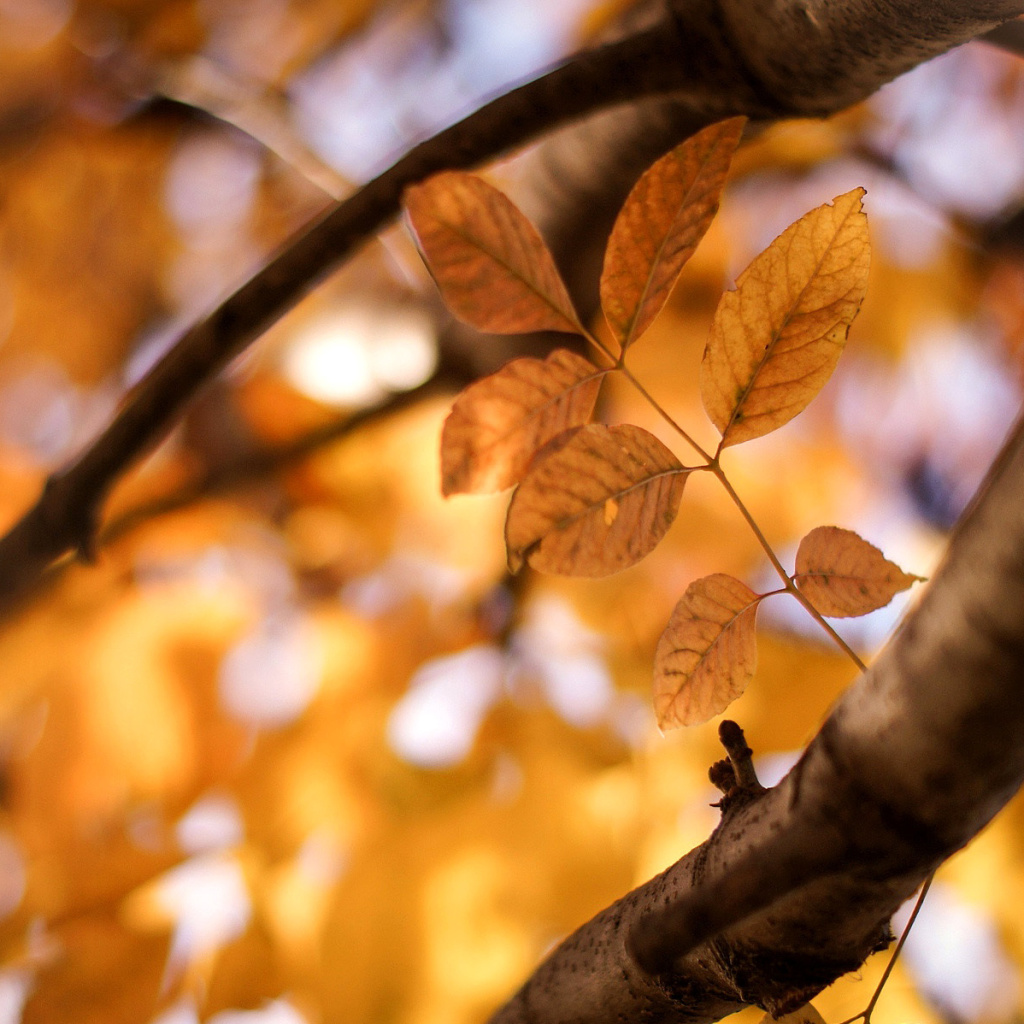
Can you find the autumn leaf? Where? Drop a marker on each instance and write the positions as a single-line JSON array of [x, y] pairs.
[[498, 423], [489, 262], [843, 575], [707, 654], [596, 504], [660, 225], [776, 339]]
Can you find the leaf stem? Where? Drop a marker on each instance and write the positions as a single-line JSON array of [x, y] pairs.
[[865, 1014], [787, 580], [663, 413]]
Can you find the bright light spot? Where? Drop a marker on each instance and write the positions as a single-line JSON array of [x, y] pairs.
[[498, 41], [435, 723], [946, 405], [632, 719], [955, 956], [321, 858], [402, 576], [211, 184], [179, 1013], [31, 23], [38, 411], [208, 899], [212, 823], [270, 677], [937, 119], [371, 98], [565, 656], [358, 353], [773, 768], [14, 989], [280, 1011]]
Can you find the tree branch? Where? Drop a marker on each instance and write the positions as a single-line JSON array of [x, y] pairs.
[[796, 885], [763, 58]]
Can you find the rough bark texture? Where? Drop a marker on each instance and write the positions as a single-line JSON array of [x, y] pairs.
[[764, 58], [797, 884]]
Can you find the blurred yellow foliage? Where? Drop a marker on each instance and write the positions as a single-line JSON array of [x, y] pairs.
[[241, 761]]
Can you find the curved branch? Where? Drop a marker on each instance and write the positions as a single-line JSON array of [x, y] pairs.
[[762, 58], [796, 885]]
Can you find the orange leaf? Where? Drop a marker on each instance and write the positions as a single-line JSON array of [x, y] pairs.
[[843, 575], [776, 339], [488, 260], [659, 226], [707, 654], [596, 504], [498, 423]]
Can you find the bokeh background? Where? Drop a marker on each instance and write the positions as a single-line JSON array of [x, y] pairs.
[[296, 749]]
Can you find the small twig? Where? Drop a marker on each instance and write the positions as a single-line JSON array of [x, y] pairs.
[[865, 1014], [251, 467]]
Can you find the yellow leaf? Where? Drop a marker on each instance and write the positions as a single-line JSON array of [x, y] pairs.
[[776, 339], [498, 423], [488, 260], [806, 1014], [660, 225], [596, 504], [843, 575], [707, 654]]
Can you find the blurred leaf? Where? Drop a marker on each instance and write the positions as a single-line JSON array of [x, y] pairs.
[[661, 223], [776, 339], [596, 505], [843, 575], [707, 654], [488, 260], [101, 973], [497, 424]]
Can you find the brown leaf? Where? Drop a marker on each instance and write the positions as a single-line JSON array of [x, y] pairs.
[[843, 575], [595, 505], [707, 654], [660, 225], [776, 339], [498, 423], [488, 260]]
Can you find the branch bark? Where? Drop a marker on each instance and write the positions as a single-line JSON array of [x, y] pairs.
[[764, 58], [797, 884]]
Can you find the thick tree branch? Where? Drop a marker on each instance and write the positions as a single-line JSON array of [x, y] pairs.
[[797, 884]]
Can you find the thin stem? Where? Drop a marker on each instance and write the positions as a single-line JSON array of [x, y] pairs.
[[664, 414], [787, 580], [616, 361], [713, 465], [865, 1015]]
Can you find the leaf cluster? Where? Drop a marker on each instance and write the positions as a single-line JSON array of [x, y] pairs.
[[592, 499]]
